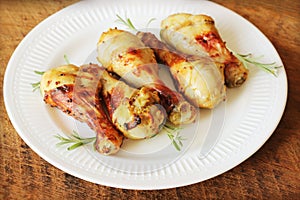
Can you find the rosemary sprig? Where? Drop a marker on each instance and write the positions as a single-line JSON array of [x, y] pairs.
[[176, 140], [174, 136], [36, 85], [268, 67], [75, 140], [128, 23]]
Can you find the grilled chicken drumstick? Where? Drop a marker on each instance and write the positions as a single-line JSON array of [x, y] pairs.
[[135, 112], [200, 80], [75, 91], [124, 54], [197, 35]]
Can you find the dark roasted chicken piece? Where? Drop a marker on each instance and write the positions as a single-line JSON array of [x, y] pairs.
[[124, 54], [75, 91], [199, 79], [197, 35]]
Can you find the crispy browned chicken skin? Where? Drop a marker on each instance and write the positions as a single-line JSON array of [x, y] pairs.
[[199, 79], [123, 53], [137, 113], [197, 35], [75, 91]]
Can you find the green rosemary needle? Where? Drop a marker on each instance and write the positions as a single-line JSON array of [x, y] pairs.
[[66, 59], [150, 21], [36, 85], [39, 72], [126, 22]]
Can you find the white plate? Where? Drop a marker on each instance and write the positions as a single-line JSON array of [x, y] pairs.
[[219, 140]]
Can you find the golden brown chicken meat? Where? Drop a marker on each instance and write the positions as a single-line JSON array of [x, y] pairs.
[[75, 91], [137, 113], [197, 35], [199, 79], [124, 54]]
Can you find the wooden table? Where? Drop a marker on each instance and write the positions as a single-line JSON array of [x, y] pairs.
[[271, 173]]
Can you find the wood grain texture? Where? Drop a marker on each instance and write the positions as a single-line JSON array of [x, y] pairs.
[[271, 173]]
